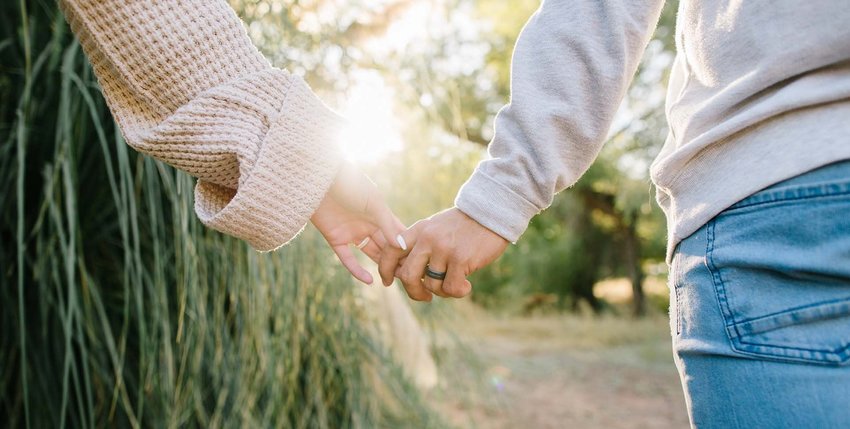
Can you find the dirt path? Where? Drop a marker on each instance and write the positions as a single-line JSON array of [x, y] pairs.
[[562, 372]]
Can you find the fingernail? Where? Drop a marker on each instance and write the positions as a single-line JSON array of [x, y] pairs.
[[401, 242]]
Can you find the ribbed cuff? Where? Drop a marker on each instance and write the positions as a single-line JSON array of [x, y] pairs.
[[296, 164], [495, 206]]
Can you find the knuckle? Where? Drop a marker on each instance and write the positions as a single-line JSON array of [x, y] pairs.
[[432, 286], [421, 295], [443, 247], [458, 289], [408, 278], [462, 256], [429, 233]]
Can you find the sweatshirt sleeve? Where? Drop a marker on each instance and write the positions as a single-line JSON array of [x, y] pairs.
[[186, 86], [572, 65]]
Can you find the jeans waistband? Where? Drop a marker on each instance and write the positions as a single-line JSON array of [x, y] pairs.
[[827, 180]]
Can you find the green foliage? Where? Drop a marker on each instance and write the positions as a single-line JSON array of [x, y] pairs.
[[119, 309], [605, 225], [506, 19]]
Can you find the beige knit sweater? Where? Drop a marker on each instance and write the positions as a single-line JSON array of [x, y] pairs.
[[187, 87]]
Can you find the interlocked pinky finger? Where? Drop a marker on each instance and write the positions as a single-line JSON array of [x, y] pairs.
[[372, 250]]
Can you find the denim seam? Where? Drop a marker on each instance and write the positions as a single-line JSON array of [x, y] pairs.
[[795, 309], [719, 288], [774, 352], [839, 351], [777, 197], [676, 281], [678, 312]]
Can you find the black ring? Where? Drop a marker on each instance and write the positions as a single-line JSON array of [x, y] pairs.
[[434, 274]]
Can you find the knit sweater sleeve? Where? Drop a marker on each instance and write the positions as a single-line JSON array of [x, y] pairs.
[[572, 65], [186, 86]]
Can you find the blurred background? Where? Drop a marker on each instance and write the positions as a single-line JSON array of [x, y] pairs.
[[119, 309]]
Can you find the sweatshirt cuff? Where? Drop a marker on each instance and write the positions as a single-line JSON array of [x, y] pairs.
[[296, 165], [495, 206]]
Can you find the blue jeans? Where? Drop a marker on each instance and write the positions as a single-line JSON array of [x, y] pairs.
[[760, 308]]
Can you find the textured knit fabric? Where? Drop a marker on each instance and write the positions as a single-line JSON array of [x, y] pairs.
[[759, 92], [186, 86]]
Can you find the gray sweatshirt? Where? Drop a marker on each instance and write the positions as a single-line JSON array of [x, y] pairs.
[[759, 92]]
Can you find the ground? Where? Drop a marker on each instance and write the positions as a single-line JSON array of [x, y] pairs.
[[558, 371]]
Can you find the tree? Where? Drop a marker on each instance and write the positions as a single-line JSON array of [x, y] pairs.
[[611, 204]]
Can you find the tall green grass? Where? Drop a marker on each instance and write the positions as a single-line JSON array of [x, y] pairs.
[[119, 309]]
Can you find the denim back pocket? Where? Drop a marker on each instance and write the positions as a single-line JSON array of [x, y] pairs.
[[780, 263]]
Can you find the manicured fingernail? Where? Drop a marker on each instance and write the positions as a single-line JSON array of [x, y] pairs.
[[401, 242]]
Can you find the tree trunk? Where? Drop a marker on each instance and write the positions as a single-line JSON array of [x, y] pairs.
[[589, 274], [633, 262]]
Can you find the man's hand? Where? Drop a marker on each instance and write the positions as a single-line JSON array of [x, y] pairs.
[[353, 213], [449, 242]]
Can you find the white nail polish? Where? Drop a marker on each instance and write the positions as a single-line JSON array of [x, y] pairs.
[[401, 242]]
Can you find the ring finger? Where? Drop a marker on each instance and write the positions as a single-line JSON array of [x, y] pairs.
[[434, 274], [372, 250]]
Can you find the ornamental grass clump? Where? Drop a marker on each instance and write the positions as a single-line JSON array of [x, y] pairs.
[[119, 309]]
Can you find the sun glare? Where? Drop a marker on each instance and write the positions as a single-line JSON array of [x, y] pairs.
[[372, 132], [411, 27]]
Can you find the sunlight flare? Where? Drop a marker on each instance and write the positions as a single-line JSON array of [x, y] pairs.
[[372, 130]]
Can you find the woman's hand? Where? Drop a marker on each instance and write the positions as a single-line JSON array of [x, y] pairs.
[[354, 213]]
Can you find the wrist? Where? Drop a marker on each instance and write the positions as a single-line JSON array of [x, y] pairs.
[[495, 206]]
